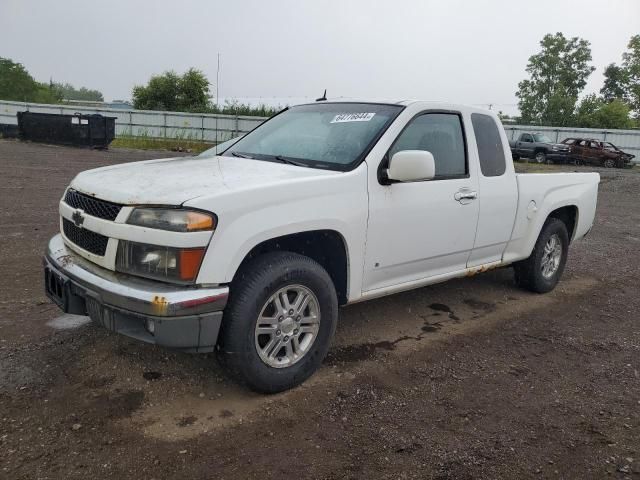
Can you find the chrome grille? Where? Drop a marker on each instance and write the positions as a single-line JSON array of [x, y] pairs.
[[92, 206]]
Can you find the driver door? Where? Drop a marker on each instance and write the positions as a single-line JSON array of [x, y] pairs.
[[426, 228], [525, 145]]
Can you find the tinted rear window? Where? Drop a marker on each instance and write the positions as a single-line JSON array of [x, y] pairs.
[[490, 149]]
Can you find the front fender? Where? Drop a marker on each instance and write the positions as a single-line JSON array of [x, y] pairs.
[[249, 218]]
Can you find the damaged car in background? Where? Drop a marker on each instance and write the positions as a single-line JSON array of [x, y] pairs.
[[590, 151]]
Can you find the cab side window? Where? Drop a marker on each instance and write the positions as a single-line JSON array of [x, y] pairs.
[[490, 148], [526, 138], [442, 135]]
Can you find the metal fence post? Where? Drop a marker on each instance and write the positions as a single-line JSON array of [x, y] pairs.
[[202, 128], [165, 124], [236, 127]]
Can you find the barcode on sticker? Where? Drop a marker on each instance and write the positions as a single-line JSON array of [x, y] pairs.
[[352, 117]]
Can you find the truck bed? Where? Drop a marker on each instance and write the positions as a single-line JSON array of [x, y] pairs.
[[541, 193]]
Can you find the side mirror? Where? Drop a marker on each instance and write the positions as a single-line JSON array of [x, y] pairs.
[[411, 166]]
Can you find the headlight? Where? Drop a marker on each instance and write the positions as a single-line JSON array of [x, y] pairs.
[[171, 264], [172, 219]]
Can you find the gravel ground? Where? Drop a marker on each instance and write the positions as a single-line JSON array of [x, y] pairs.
[[469, 379]]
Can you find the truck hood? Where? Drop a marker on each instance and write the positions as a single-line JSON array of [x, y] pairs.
[[174, 181]]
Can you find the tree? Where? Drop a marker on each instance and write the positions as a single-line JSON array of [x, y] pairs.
[[557, 76], [614, 114], [67, 91], [631, 66], [17, 84], [596, 112], [615, 83], [587, 110], [194, 91], [186, 93]]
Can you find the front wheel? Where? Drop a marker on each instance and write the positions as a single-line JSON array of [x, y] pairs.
[[279, 322], [541, 272], [609, 163], [541, 157]]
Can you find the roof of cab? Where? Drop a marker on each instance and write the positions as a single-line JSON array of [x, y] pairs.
[[405, 103]]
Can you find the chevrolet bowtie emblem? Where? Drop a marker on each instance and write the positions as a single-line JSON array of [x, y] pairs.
[[77, 218]]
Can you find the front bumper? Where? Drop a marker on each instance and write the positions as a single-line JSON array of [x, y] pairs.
[[186, 318]]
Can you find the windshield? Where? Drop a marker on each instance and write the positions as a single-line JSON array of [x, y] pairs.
[[322, 135], [610, 146], [539, 137]]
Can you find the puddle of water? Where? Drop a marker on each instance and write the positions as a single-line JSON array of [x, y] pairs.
[[441, 307], [68, 321], [479, 304]]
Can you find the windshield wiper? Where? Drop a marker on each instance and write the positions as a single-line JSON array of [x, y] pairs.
[[289, 161], [242, 155]]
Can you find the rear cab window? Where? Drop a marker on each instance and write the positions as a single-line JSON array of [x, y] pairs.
[[490, 147]]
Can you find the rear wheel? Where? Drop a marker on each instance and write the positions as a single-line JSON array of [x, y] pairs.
[[541, 157], [541, 272], [281, 316]]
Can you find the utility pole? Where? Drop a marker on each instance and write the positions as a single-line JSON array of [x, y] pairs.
[[217, 98]]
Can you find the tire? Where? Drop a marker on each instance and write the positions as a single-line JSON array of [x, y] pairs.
[[540, 157], [609, 163], [241, 348], [529, 273]]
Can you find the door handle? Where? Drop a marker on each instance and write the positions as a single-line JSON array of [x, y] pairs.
[[462, 195]]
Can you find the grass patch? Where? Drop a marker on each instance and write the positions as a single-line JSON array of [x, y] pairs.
[[145, 142], [534, 167]]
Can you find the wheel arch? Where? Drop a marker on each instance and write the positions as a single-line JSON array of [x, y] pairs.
[[568, 214], [327, 247]]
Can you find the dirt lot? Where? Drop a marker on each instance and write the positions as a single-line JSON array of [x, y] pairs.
[[469, 379]]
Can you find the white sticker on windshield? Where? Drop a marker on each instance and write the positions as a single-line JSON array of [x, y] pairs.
[[352, 117]]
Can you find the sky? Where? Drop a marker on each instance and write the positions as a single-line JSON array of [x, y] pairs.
[[285, 51]]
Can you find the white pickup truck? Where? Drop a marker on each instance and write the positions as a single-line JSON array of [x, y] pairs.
[[250, 250]]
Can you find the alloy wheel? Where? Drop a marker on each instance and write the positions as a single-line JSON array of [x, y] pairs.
[[551, 256], [287, 326]]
